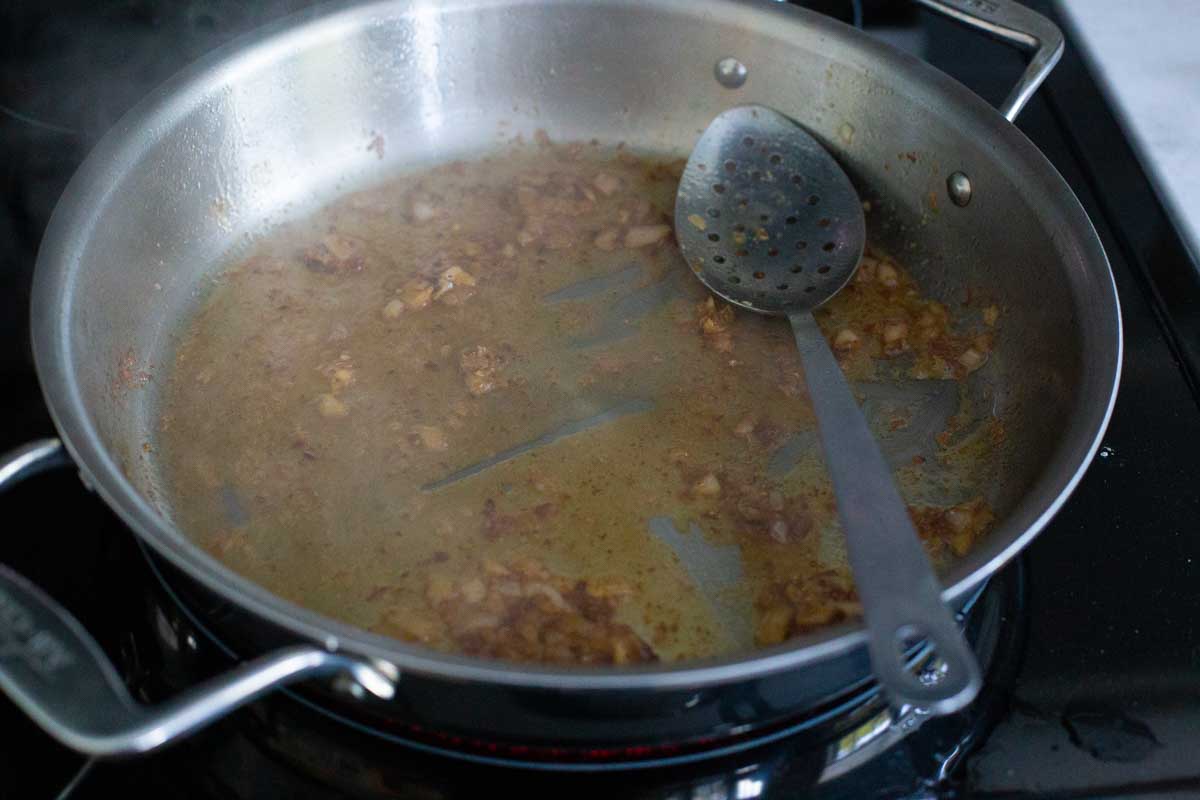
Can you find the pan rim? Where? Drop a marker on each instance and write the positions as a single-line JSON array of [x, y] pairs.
[[67, 235]]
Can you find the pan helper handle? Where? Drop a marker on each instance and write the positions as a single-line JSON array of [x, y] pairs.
[[58, 675], [1014, 24]]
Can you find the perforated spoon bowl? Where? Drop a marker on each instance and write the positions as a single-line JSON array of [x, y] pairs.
[[767, 220]]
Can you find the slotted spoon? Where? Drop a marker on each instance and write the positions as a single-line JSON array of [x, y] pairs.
[[767, 220]]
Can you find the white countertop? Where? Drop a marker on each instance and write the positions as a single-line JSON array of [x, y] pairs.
[[1146, 56]]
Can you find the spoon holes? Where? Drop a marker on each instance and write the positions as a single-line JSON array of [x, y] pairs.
[[764, 217], [739, 228], [734, 279], [748, 141], [731, 166], [776, 158], [719, 188], [796, 269], [714, 237], [823, 269], [715, 213], [823, 222], [760, 275], [813, 199], [719, 259], [828, 247], [790, 220], [797, 179], [809, 289]]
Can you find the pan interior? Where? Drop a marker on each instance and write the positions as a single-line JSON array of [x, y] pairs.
[[487, 408]]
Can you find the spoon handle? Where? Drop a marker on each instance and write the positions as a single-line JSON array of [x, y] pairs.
[[901, 596]]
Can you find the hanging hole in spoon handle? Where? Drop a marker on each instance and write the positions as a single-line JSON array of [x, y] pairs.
[[947, 682], [895, 581]]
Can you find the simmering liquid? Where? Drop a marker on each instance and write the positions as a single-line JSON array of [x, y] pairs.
[[488, 409]]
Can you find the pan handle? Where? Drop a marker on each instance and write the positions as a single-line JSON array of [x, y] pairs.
[[58, 675], [1014, 24]]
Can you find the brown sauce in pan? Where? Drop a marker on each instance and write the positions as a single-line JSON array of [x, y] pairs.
[[652, 488]]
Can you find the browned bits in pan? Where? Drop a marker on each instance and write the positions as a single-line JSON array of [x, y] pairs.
[[953, 530], [334, 254], [523, 612], [416, 294], [645, 235], [846, 340], [443, 317], [794, 606], [332, 407], [607, 183], [480, 366], [715, 323], [607, 239]]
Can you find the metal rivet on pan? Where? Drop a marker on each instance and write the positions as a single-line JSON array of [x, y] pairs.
[[730, 72], [959, 187]]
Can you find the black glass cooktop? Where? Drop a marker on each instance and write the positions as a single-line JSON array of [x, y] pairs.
[[1105, 699]]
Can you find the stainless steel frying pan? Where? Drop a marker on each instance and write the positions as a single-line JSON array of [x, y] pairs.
[[278, 123]]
